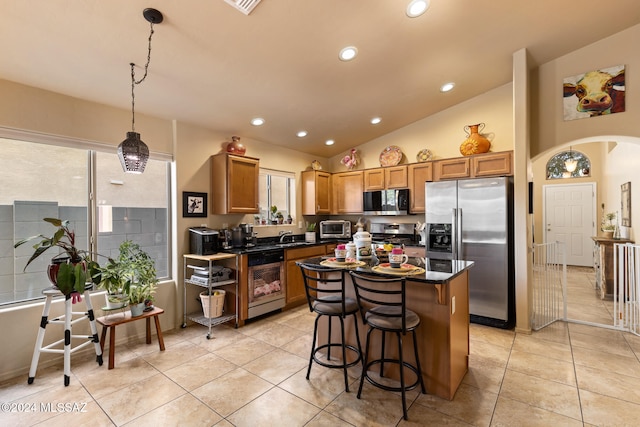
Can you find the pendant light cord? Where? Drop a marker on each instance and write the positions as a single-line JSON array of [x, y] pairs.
[[137, 82]]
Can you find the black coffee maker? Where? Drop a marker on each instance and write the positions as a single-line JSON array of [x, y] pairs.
[[203, 241]]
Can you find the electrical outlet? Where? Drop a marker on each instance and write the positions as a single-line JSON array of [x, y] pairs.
[[300, 224], [453, 305]]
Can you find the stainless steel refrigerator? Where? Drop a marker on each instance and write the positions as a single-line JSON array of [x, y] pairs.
[[472, 220]]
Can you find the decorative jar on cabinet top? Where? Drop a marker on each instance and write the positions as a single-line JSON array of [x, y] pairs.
[[475, 142], [235, 147]]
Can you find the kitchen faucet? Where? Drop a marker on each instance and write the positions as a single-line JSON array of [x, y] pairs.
[[283, 234]]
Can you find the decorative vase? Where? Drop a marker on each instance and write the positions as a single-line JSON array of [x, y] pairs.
[[235, 147], [475, 142]]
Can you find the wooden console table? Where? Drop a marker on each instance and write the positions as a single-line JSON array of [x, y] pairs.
[[112, 320], [603, 263]]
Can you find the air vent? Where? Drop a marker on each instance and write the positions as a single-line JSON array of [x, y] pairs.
[[244, 6]]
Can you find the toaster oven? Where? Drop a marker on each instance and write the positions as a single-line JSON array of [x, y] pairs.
[[335, 229]]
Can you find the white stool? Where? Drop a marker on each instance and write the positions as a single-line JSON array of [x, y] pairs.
[[68, 321]]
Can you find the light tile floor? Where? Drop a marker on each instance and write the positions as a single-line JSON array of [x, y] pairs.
[[564, 375]]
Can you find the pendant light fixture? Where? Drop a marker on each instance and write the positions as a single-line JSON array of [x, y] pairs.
[[571, 163], [134, 153]]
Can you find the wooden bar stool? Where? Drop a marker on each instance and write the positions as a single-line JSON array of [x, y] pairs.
[[325, 289], [68, 321], [383, 307]]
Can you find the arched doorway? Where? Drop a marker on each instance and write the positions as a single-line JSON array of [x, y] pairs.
[[614, 163]]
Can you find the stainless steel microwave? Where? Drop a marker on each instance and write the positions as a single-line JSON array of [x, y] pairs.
[[386, 202], [335, 229]]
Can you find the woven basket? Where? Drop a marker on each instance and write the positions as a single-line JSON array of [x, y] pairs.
[[213, 305]]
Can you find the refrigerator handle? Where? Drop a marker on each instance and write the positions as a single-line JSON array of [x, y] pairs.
[[458, 233], [454, 233]]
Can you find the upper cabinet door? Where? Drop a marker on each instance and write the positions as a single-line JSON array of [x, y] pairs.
[[234, 184], [419, 174], [396, 177], [492, 164], [316, 192], [347, 191], [374, 179], [451, 168]]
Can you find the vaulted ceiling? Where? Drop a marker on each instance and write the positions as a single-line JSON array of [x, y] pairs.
[[214, 66]]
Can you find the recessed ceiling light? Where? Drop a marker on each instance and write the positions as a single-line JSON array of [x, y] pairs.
[[302, 134], [348, 53], [376, 120], [329, 142], [447, 87], [258, 121], [417, 8]]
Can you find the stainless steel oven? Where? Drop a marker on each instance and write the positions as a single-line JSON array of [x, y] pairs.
[[267, 289]]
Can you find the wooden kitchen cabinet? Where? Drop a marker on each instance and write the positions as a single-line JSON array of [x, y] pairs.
[[316, 192], [451, 168], [347, 192], [491, 164], [419, 174], [385, 178], [396, 177], [476, 166], [373, 179], [234, 184], [293, 276]]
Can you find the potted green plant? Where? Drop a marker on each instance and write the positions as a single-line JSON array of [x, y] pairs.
[[139, 273], [310, 234], [608, 226], [111, 277], [274, 214], [68, 270], [131, 278]]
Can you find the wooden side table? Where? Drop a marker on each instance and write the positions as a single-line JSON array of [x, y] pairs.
[[603, 263], [109, 322]]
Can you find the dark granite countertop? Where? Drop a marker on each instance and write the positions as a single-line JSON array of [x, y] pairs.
[[436, 270], [273, 243]]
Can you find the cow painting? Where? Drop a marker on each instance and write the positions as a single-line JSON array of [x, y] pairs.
[[595, 93]]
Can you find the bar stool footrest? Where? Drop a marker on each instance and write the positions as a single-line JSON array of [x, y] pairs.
[[341, 365], [390, 388]]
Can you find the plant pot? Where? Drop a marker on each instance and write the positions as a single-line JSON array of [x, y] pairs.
[[137, 309], [114, 302], [54, 268], [310, 236], [607, 234]]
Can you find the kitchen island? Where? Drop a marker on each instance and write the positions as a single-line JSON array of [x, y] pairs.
[[440, 296]]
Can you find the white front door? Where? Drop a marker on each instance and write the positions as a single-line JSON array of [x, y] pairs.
[[569, 217]]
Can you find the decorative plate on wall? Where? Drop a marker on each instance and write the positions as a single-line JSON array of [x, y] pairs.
[[424, 155], [390, 156], [316, 166]]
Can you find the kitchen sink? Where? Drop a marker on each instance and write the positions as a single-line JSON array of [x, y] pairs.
[[290, 244]]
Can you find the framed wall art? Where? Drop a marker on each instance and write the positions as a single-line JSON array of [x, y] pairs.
[[194, 205], [625, 202], [594, 93]]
